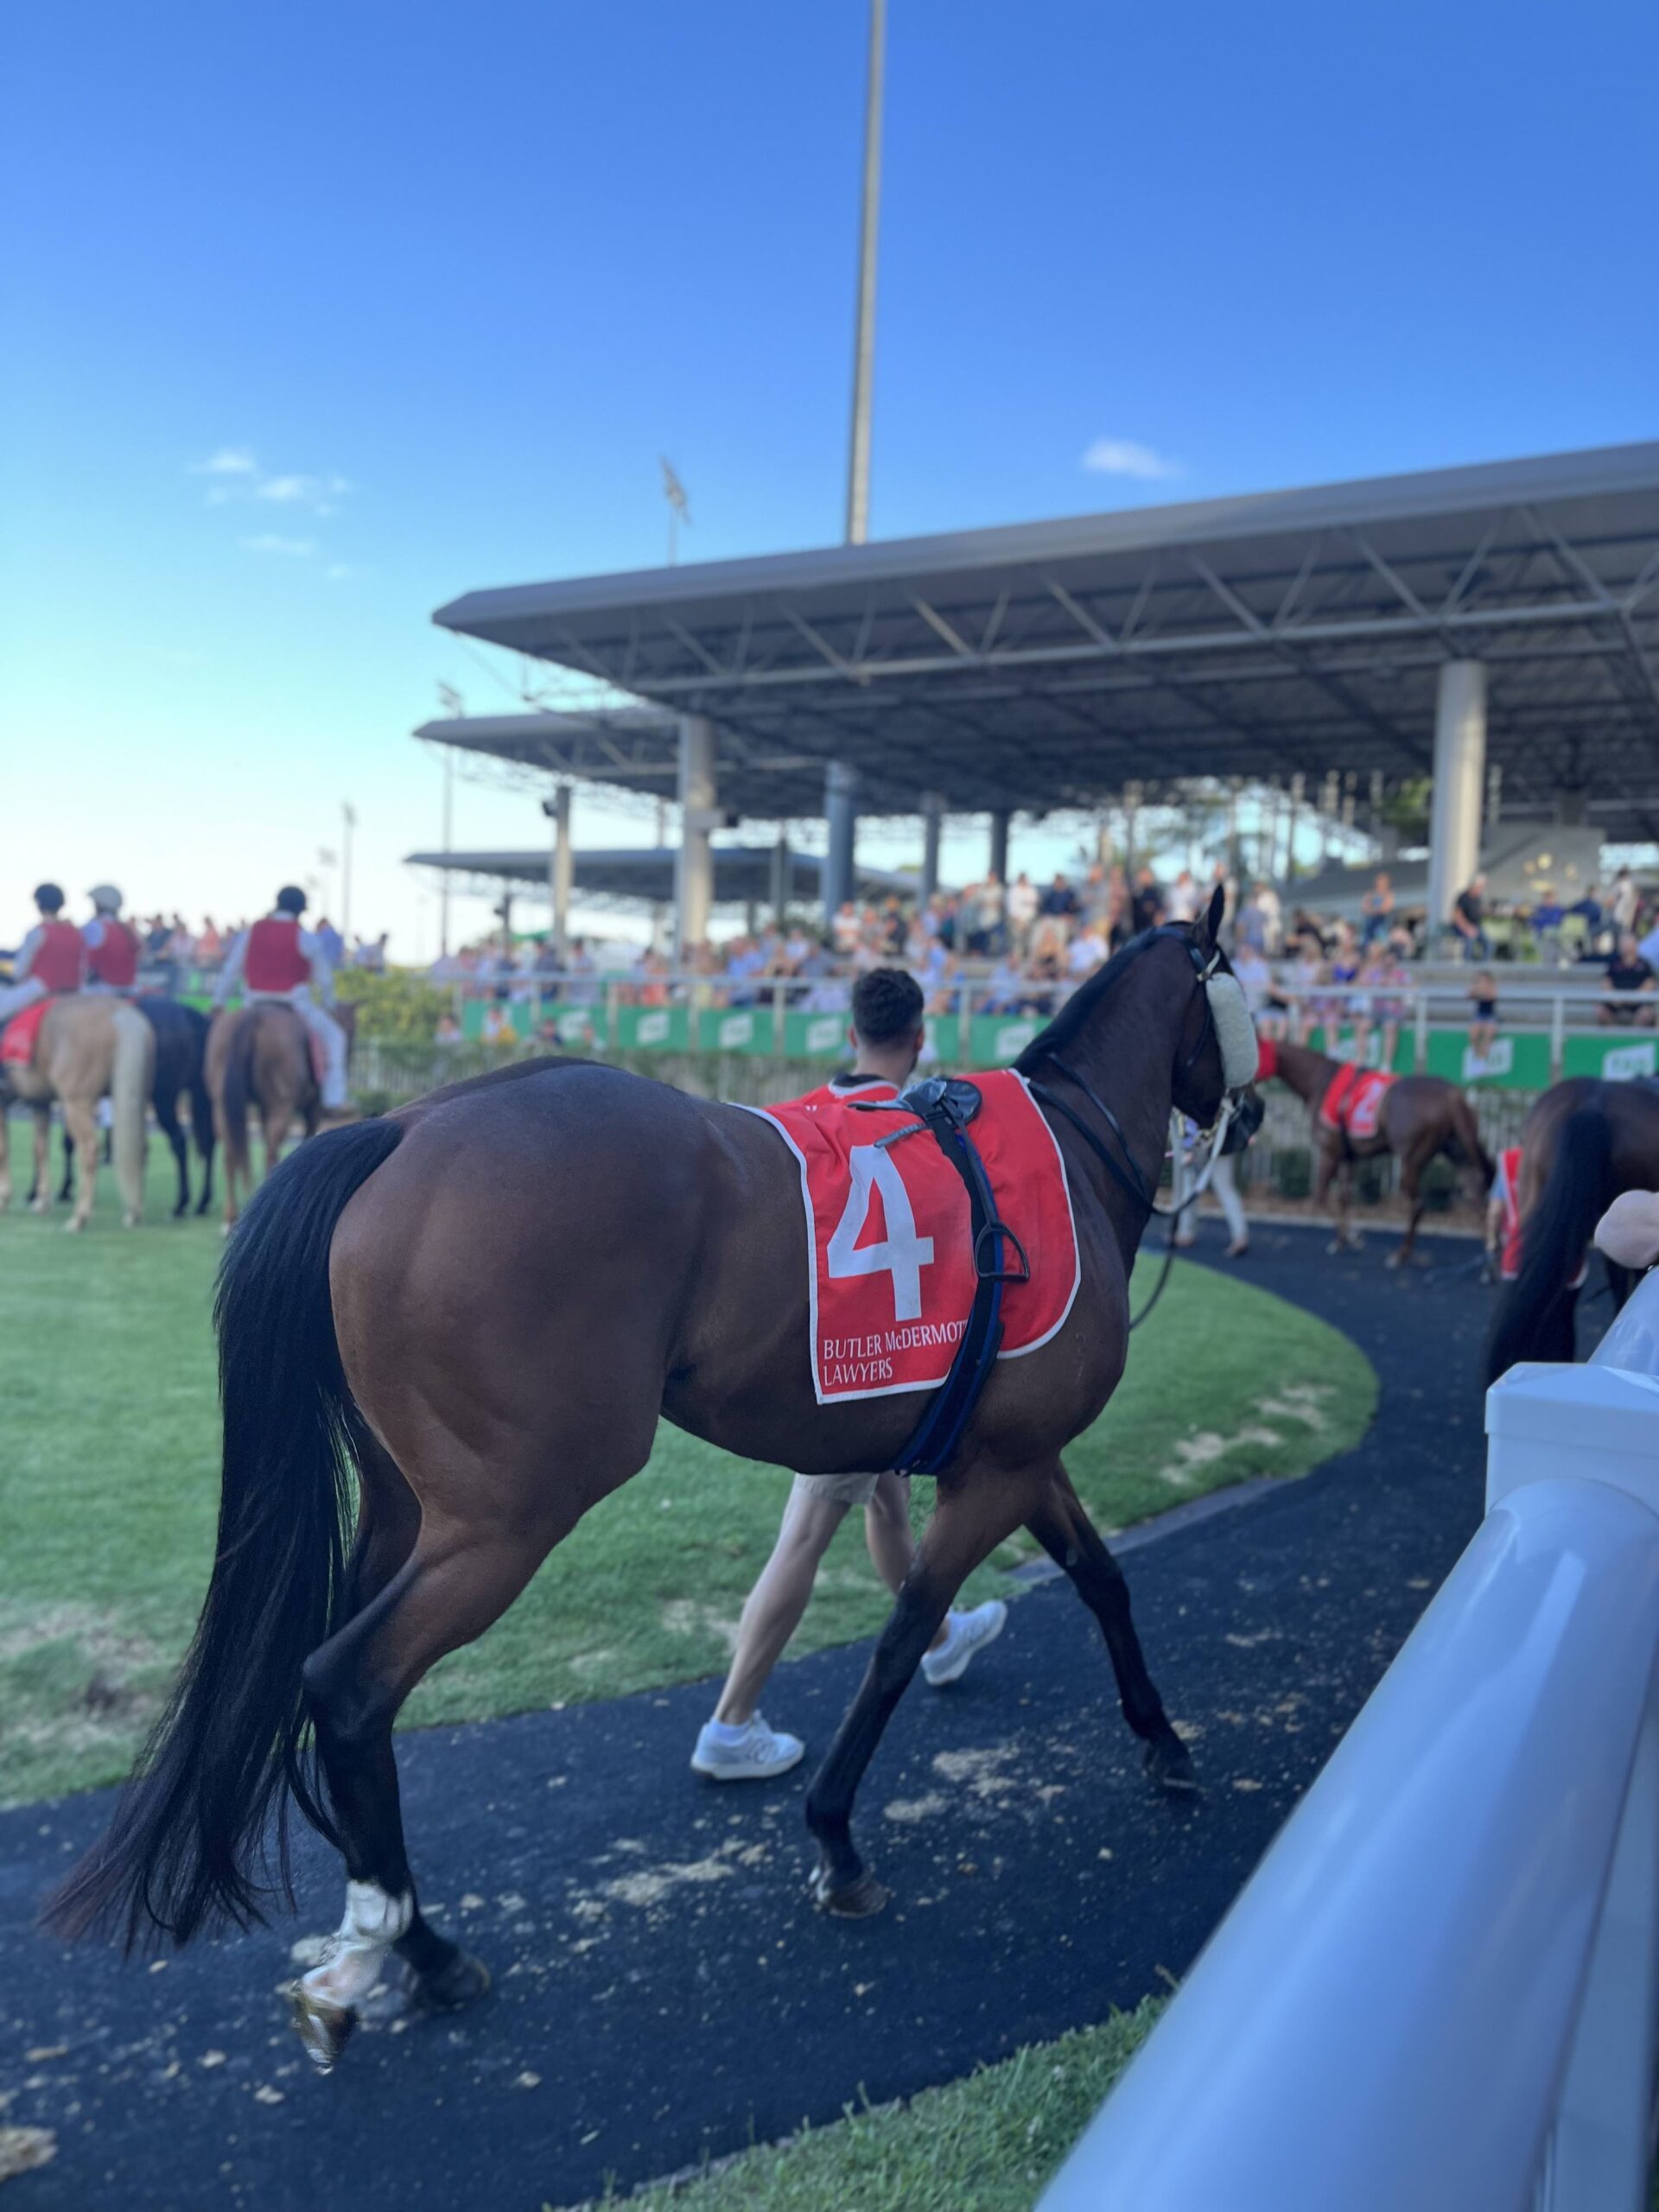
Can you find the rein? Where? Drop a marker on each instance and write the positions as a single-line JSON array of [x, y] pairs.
[[1126, 1168]]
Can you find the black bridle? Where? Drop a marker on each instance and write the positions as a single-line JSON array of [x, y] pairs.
[[1122, 1162]]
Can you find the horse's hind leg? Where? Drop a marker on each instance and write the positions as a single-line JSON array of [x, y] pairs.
[[41, 1196], [1063, 1529], [167, 1115], [972, 1516], [1411, 1189]]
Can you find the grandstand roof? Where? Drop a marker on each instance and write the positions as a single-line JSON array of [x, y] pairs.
[[743, 873], [1047, 664]]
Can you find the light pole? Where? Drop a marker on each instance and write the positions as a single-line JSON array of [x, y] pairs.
[[858, 466], [347, 823]]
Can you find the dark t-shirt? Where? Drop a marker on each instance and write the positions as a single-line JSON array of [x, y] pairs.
[[1631, 978], [1146, 905], [1470, 905]]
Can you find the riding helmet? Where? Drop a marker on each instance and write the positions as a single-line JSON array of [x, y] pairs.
[[290, 899], [105, 898], [47, 898]]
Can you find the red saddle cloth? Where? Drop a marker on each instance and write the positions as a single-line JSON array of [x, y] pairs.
[[22, 1034], [889, 1230], [1353, 1100]]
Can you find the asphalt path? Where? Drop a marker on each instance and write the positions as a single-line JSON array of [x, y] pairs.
[[664, 1992]]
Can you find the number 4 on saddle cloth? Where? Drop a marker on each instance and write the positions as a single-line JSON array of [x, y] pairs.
[[1353, 1102], [933, 1251]]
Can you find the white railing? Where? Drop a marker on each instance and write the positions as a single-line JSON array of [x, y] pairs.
[[1438, 1992]]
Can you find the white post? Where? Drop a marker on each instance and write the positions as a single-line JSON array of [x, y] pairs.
[[560, 871], [932, 826], [840, 811], [858, 462], [1459, 777], [694, 868]]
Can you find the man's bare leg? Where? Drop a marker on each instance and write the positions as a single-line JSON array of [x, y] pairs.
[[887, 1531], [772, 1610]]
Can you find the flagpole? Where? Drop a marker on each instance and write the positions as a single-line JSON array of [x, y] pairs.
[[858, 465]]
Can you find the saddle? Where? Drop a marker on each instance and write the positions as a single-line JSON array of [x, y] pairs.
[[946, 1106]]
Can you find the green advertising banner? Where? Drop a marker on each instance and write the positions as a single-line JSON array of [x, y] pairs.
[[735, 1029], [1514, 1063], [996, 1038], [653, 1028], [814, 1036], [1616, 1056]]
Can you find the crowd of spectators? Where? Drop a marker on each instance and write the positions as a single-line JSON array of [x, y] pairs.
[[1021, 947], [176, 958]]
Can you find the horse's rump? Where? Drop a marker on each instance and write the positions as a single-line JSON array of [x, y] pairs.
[[892, 1274]]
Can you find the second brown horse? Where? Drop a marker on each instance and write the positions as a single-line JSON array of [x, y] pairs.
[[1423, 1118]]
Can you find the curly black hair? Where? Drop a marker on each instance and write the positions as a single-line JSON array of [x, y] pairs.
[[887, 1003]]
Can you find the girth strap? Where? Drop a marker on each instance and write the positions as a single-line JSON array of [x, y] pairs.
[[945, 1110]]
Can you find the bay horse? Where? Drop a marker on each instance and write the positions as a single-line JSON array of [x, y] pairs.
[[88, 1047], [481, 1306], [261, 1056], [1422, 1116], [181, 1051], [1583, 1143]]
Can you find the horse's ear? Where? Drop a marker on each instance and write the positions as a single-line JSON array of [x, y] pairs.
[[1212, 920]]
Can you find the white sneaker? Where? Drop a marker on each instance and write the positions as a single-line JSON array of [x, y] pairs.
[[758, 1753], [969, 1632]]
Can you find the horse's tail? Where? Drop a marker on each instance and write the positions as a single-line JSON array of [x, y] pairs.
[[129, 1082], [188, 1848], [236, 1089], [1467, 1150], [1534, 1316]]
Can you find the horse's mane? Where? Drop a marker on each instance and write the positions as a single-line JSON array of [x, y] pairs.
[[1080, 1007]]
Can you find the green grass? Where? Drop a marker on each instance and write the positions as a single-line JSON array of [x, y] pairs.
[[108, 1490], [986, 2144]]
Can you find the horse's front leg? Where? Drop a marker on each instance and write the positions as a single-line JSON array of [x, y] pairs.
[[80, 1119], [40, 1200], [970, 1519], [1063, 1528]]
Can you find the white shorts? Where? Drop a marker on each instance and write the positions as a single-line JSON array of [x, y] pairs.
[[837, 1490]]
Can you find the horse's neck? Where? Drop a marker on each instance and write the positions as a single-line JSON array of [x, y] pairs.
[[1127, 1055], [1307, 1072]]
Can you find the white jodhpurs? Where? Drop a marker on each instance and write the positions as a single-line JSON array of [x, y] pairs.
[[14, 997]]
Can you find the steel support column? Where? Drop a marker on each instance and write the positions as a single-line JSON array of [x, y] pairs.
[[999, 851], [932, 829], [840, 811], [779, 884], [1459, 780], [693, 867], [561, 870]]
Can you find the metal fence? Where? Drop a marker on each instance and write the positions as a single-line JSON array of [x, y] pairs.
[[1438, 1992]]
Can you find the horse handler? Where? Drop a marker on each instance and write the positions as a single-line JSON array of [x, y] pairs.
[[737, 1745]]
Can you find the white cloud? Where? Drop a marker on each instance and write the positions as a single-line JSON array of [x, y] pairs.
[[267, 542], [1125, 457], [229, 461], [321, 493]]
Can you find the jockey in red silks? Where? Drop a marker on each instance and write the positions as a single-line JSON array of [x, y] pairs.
[[112, 945], [50, 959], [277, 959]]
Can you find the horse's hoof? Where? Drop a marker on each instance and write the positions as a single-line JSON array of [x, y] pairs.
[[129, 1221], [461, 1982], [1169, 1769], [861, 1900], [74, 1226], [323, 2029], [1394, 1260]]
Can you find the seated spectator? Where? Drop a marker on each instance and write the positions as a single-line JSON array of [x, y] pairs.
[[1256, 981], [845, 928], [1146, 907], [1547, 915], [1468, 921], [1182, 904], [1628, 971], [1086, 952], [1251, 923], [448, 1031]]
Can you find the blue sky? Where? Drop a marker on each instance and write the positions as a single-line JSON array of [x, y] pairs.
[[436, 285]]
